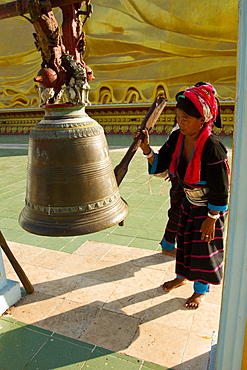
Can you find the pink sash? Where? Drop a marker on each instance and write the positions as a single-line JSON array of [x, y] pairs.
[[193, 172]]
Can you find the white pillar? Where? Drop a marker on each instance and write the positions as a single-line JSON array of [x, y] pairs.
[[10, 291], [3, 280], [234, 301]]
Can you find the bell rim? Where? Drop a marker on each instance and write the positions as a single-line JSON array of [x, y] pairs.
[[73, 225]]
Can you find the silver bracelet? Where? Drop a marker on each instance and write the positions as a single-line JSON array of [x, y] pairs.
[[149, 155], [215, 217]]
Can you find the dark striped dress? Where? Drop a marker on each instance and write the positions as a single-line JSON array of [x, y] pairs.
[[196, 259], [176, 198]]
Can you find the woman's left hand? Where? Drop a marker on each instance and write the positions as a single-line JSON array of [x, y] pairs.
[[208, 229]]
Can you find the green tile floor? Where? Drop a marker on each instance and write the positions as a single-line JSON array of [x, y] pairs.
[[27, 347]]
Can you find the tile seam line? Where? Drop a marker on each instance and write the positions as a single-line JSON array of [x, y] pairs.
[[36, 353]]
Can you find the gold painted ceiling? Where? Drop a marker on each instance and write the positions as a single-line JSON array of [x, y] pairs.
[[136, 48]]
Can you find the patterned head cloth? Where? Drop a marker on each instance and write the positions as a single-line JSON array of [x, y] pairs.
[[202, 95]]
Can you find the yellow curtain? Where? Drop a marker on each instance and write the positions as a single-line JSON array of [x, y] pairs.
[[136, 48]]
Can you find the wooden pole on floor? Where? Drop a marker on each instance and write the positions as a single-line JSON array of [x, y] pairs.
[[18, 269]]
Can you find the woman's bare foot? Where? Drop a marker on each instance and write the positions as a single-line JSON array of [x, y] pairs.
[[194, 301], [170, 253], [172, 284]]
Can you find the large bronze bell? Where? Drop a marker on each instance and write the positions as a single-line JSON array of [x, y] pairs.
[[71, 186]]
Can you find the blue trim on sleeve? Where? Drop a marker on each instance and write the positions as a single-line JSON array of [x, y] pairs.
[[152, 167], [198, 183], [217, 208]]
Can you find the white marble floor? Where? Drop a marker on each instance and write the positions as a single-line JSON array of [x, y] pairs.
[[110, 296]]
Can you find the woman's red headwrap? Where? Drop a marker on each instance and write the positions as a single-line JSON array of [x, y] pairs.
[[202, 95]]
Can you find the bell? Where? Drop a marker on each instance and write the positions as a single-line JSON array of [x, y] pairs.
[[71, 186]]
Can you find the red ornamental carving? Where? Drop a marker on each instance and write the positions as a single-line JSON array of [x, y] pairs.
[[63, 76]]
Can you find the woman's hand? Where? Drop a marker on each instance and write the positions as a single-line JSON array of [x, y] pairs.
[[208, 229], [144, 144]]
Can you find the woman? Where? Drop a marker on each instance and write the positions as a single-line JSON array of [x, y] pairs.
[[198, 159]]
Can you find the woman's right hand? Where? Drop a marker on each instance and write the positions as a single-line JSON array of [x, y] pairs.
[[144, 144]]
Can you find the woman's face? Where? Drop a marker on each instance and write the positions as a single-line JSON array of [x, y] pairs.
[[189, 125]]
